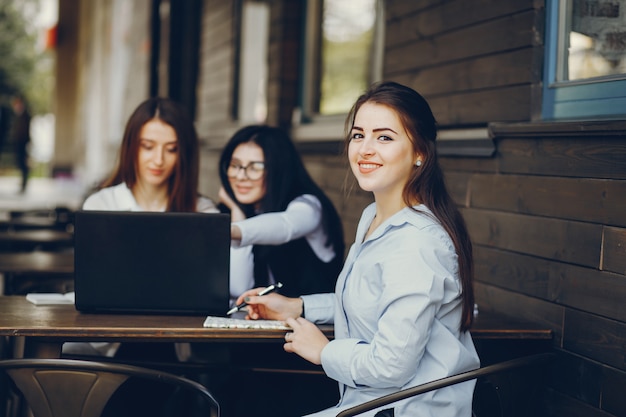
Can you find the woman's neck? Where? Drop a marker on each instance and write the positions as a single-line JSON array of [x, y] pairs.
[[385, 208], [151, 198]]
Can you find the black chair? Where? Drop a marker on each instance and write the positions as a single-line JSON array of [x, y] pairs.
[[73, 388], [485, 371]]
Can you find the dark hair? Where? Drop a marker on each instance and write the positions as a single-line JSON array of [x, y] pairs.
[[183, 184], [426, 183], [285, 178]]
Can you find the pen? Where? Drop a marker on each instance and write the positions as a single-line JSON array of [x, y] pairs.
[[263, 292]]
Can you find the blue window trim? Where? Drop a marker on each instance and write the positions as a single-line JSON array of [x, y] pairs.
[[582, 100]]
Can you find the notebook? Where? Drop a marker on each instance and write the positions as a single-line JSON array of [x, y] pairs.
[[234, 323], [147, 262]]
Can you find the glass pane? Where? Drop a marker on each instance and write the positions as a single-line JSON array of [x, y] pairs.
[[348, 33], [253, 72], [596, 34]]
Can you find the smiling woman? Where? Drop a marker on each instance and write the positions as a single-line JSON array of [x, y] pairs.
[[284, 227], [403, 302]]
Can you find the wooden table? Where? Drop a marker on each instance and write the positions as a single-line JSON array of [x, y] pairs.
[[45, 328], [37, 271], [37, 262], [40, 331], [31, 223], [489, 326], [29, 240]]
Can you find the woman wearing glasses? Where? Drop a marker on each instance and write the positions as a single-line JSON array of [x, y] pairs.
[[284, 228]]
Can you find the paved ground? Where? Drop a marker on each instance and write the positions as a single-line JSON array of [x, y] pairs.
[[40, 193]]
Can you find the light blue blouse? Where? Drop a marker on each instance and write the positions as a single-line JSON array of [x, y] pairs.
[[396, 312]]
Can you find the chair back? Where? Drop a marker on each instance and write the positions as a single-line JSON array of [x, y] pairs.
[[75, 388], [484, 371]]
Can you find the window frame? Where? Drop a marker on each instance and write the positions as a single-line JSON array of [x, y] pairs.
[[307, 124], [593, 98], [252, 48]]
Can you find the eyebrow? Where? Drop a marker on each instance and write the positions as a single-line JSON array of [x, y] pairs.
[[174, 142], [380, 129], [233, 159]]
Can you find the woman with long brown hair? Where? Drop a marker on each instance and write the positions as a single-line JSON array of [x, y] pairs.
[[403, 303]]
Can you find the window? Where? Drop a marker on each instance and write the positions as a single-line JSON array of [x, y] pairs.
[[585, 71], [253, 69], [342, 58], [347, 37]]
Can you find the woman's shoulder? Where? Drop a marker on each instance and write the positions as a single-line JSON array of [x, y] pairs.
[[115, 197], [422, 219], [309, 199], [206, 205]]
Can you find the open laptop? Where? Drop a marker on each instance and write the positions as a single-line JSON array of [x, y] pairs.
[[147, 262]]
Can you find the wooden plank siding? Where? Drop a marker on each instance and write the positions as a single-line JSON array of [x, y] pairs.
[[447, 51], [614, 250], [597, 200], [547, 216]]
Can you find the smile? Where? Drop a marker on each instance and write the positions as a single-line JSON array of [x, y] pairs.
[[242, 190], [365, 168]]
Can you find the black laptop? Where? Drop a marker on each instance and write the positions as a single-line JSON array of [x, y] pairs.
[[153, 263]]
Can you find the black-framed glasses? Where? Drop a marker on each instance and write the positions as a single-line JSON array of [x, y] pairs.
[[253, 171]]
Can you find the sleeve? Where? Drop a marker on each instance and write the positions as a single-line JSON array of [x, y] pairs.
[[117, 197], [319, 308], [406, 312], [206, 205], [241, 270], [302, 216], [96, 201]]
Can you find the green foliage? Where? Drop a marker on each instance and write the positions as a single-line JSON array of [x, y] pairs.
[[345, 72], [23, 69]]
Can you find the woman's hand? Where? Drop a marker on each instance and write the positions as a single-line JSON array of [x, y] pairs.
[[306, 340], [271, 306], [236, 214]]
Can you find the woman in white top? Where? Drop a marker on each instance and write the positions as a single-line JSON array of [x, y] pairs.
[[403, 303], [157, 170], [158, 164]]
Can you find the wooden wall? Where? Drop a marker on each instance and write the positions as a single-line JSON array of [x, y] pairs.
[[546, 213], [476, 61], [547, 216]]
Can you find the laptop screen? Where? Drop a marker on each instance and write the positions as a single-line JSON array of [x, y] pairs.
[[152, 262]]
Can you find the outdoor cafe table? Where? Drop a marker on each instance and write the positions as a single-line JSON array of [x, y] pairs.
[[37, 269], [45, 328], [28, 240], [37, 262]]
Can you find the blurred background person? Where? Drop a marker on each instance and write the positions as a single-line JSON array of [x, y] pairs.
[[20, 137]]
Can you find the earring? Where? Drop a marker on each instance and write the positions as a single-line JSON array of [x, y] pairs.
[[418, 163]]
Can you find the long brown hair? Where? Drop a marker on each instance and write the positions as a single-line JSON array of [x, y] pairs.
[[183, 184], [426, 183]]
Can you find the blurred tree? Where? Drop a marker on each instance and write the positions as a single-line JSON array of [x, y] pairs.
[[23, 68]]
